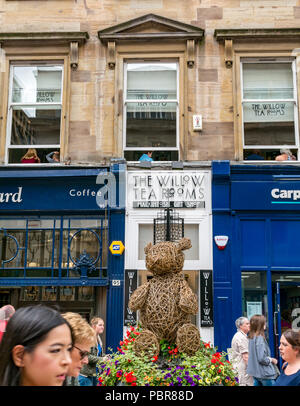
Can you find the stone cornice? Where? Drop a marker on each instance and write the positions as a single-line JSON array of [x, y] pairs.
[[45, 37], [257, 33]]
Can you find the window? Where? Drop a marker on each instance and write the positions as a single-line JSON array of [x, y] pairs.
[[34, 109], [269, 108], [151, 109]]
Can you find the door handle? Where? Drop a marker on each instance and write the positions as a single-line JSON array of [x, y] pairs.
[[275, 323]]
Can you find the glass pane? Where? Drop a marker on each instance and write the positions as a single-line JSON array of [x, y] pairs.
[[37, 84], [264, 154], [35, 125], [39, 248], [254, 294], [268, 81], [155, 121], [8, 248], [192, 231], [15, 155], [85, 293], [269, 123], [156, 155], [152, 81]]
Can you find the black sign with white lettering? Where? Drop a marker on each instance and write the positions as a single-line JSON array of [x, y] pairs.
[[130, 287], [206, 289]]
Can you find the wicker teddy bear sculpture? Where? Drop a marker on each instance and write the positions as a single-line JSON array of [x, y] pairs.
[[166, 301]]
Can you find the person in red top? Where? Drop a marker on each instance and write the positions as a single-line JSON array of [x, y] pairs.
[[31, 157], [5, 314]]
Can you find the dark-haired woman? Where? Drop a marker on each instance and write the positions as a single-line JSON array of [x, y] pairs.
[[260, 363], [290, 352], [35, 350]]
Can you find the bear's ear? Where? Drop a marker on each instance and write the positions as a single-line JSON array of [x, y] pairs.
[[184, 244], [148, 247]]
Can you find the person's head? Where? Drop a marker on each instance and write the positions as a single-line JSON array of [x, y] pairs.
[[149, 153], [56, 156], [98, 325], [83, 339], [31, 153], [285, 151], [6, 312], [257, 325], [290, 345], [35, 350], [243, 324]]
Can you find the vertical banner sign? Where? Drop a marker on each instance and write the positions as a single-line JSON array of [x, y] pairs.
[[206, 291], [130, 286]]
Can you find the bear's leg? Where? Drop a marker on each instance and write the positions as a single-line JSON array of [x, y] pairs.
[[146, 343], [188, 339]]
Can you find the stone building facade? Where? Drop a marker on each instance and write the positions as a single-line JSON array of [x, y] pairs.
[[100, 81], [92, 109]]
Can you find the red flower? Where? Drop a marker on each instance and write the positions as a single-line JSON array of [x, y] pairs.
[[154, 359], [130, 378]]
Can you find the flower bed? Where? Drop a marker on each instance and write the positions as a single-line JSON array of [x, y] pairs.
[[205, 368]]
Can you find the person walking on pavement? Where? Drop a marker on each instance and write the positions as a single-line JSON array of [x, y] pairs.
[[84, 337], [35, 349], [6, 313], [290, 352], [88, 373], [260, 364], [239, 346]]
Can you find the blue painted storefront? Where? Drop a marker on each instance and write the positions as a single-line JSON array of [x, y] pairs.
[[258, 208], [61, 194]]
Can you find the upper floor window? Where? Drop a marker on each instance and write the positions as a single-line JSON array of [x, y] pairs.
[[34, 112], [151, 110], [269, 108]]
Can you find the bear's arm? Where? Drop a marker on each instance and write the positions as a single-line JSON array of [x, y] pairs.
[[138, 298], [188, 299]]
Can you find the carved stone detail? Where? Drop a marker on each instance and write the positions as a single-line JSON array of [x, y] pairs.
[[74, 55], [111, 54], [228, 53], [190, 43]]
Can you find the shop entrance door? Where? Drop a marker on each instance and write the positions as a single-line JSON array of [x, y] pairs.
[[287, 310]]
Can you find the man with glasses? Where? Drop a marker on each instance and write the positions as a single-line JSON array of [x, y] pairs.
[[83, 339]]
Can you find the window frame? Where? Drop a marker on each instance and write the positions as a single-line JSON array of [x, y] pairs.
[[270, 60], [125, 101], [33, 62]]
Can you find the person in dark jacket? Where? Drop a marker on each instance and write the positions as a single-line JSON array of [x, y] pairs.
[[290, 352], [88, 373], [260, 363]]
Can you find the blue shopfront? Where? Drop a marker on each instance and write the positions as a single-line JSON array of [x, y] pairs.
[[258, 272], [56, 226]]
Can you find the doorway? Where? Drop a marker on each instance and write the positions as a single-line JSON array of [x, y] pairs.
[[286, 296]]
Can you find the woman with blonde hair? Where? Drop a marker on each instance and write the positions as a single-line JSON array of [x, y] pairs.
[[84, 338], [30, 157], [88, 374], [260, 363]]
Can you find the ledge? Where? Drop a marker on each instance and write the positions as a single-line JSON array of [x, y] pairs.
[[259, 33], [50, 37]]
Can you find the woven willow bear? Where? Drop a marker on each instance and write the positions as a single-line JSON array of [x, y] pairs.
[[166, 301]]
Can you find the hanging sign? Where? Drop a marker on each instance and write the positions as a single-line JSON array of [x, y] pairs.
[[221, 241], [206, 291], [130, 287]]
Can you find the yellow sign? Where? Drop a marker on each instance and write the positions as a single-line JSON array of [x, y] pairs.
[[117, 248]]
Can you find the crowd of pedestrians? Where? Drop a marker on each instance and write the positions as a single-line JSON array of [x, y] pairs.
[[39, 346], [251, 355]]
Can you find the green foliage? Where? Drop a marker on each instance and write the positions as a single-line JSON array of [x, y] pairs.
[[205, 368]]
